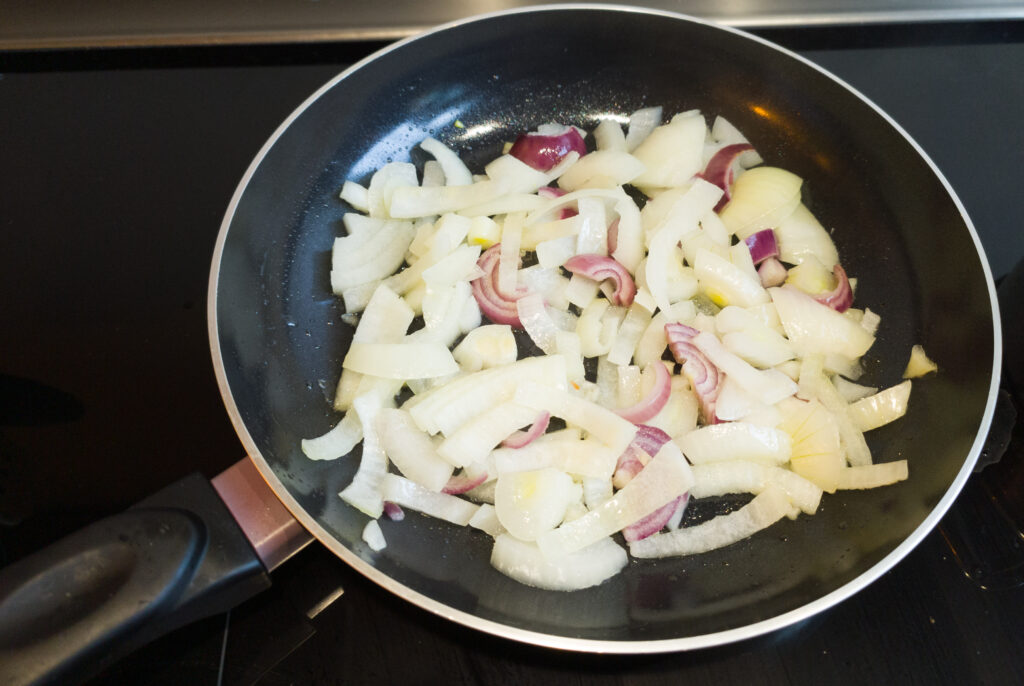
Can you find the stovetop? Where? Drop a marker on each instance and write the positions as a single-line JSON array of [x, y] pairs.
[[117, 168]]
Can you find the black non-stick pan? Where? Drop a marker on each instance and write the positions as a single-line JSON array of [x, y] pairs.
[[278, 338]]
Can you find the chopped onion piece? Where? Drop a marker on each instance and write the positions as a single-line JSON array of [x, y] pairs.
[[486, 519], [339, 441], [584, 568], [760, 513], [816, 328], [455, 171], [736, 441], [703, 375], [742, 476], [841, 297], [761, 198], [497, 305], [543, 152], [881, 408], [446, 408], [472, 441], [599, 268], [656, 521], [410, 494], [665, 477], [519, 439], [641, 123], [411, 450], [491, 345], [672, 153], [530, 503], [800, 235], [373, 536], [365, 491], [601, 423], [772, 273], [919, 363], [602, 169], [762, 245], [401, 360], [873, 475]]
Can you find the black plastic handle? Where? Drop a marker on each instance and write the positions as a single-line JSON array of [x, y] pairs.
[[75, 607]]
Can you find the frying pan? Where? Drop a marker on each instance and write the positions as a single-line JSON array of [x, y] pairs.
[[278, 338]]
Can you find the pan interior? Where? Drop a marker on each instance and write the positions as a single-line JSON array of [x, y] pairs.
[[282, 338]]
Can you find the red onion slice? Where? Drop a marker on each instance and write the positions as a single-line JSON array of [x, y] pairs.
[[652, 403], [460, 483], [496, 305], [721, 171], [518, 439], [703, 375], [656, 521], [542, 152], [645, 444], [599, 268], [839, 298], [772, 272], [394, 511], [762, 245]]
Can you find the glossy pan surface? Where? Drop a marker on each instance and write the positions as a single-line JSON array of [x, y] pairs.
[[278, 339]]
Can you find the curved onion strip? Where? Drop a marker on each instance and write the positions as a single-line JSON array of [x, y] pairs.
[[462, 482], [652, 403], [839, 298], [703, 375], [599, 268], [656, 521], [519, 439], [645, 444], [542, 152], [496, 305], [721, 171]]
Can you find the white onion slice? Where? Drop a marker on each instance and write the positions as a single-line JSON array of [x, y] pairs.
[[411, 450], [873, 475], [373, 536], [742, 476], [529, 503], [588, 567], [664, 478], [472, 441], [339, 441], [736, 441], [599, 422], [401, 360], [881, 408], [402, 491], [365, 491], [456, 173]]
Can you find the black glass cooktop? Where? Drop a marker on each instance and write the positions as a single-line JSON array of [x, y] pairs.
[[117, 167]]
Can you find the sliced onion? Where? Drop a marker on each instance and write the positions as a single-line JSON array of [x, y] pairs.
[[496, 305], [841, 297], [762, 245], [519, 439], [652, 403], [656, 521], [772, 272], [721, 170], [599, 268], [552, 192], [647, 442], [542, 152], [464, 481], [394, 511], [704, 376]]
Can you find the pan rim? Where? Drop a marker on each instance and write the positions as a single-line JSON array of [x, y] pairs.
[[562, 642]]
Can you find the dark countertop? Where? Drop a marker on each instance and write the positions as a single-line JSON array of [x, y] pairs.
[[117, 168]]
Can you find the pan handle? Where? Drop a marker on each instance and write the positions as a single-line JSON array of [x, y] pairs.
[[73, 608]]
